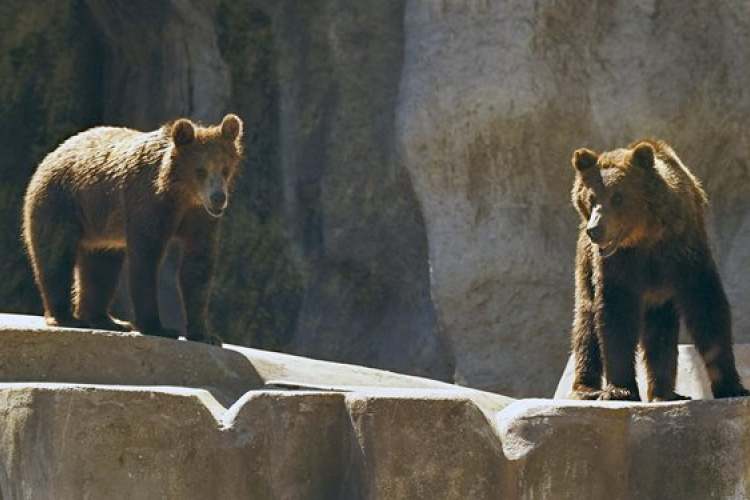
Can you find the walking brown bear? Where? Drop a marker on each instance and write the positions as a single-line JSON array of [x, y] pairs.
[[110, 193], [642, 262]]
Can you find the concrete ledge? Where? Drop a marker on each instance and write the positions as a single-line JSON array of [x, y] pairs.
[[70, 442], [98, 415], [34, 352], [573, 450]]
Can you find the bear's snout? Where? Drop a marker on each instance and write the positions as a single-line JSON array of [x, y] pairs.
[[215, 203], [596, 233], [595, 227], [219, 199]]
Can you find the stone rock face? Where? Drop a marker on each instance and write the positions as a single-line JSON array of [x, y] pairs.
[[619, 451], [105, 415], [495, 96], [405, 199], [163, 57], [49, 68], [90, 414], [351, 212], [324, 246]]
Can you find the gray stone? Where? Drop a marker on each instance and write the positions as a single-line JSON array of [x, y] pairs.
[[495, 97], [33, 352], [107, 415], [164, 57], [307, 429], [573, 450], [352, 216]]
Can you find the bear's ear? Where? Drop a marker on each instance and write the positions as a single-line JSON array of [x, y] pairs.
[[183, 132], [231, 127], [643, 155], [584, 159]]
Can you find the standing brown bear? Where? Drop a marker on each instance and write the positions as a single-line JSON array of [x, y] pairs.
[[111, 193], [642, 262]]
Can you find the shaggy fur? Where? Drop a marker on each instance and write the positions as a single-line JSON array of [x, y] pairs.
[[642, 263], [108, 194]]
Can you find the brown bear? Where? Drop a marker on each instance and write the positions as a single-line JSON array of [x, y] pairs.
[[110, 193], [643, 262]]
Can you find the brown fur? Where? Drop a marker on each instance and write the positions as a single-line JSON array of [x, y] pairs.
[[111, 193], [642, 263]]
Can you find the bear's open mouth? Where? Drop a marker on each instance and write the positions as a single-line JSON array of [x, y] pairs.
[[216, 212], [608, 248]]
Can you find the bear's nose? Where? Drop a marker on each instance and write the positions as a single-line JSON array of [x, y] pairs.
[[218, 198], [596, 233]]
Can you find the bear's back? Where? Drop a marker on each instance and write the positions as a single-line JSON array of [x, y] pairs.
[[88, 174], [680, 180], [104, 152]]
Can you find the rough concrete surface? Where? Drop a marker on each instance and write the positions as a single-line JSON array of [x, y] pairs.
[[99, 415]]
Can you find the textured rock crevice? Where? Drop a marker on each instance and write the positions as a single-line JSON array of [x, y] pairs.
[[352, 215]]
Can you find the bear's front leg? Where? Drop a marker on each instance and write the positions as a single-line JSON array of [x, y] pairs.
[[617, 324], [145, 250], [200, 234], [586, 353], [585, 344]]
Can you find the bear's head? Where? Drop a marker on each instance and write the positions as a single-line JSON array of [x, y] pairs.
[[611, 193], [203, 161]]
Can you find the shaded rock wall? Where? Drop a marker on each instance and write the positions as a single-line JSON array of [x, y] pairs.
[[50, 65], [324, 250], [354, 223]]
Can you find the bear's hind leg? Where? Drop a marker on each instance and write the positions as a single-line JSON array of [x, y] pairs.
[[51, 243], [98, 275], [661, 331], [707, 317]]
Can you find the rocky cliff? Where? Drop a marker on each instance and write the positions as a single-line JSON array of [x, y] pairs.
[[405, 199]]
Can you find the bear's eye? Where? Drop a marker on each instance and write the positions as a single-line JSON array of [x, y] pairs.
[[202, 173], [617, 200]]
